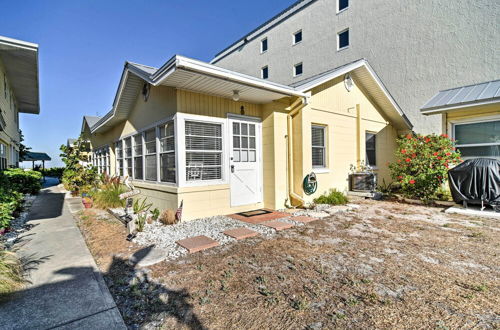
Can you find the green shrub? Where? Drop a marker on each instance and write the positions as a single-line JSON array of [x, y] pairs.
[[422, 163], [109, 196], [10, 201], [56, 172], [11, 273], [26, 182], [333, 197]]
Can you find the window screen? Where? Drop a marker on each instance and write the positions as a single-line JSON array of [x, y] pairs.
[[167, 152], [127, 146], [370, 142], [203, 151], [150, 152], [478, 139], [119, 157], [318, 146], [138, 157], [343, 39]]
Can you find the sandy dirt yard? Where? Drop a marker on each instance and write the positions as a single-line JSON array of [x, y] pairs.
[[385, 265]]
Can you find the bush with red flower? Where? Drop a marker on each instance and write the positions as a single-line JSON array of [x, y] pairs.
[[422, 163]]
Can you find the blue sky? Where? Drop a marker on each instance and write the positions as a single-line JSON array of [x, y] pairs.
[[84, 44]]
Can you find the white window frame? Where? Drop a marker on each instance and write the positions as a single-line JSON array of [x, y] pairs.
[[262, 72], [338, 39], [343, 9], [452, 124], [262, 51], [293, 37], [366, 158], [325, 150], [295, 69], [181, 157]]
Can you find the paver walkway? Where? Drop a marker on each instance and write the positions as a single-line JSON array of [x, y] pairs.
[[66, 291]]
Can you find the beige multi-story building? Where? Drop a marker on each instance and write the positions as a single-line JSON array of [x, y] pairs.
[[18, 94]]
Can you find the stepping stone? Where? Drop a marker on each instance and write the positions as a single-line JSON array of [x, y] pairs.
[[278, 225], [303, 219], [197, 243], [241, 233]]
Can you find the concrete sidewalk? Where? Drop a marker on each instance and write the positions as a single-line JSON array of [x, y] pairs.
[[67, 290]]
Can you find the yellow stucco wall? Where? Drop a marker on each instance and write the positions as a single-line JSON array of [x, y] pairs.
[[10, 135]]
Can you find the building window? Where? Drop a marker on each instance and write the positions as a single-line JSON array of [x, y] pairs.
[[244, 143], [150, 157], [297, 37], [203, 151], [138, 157], [264, 72], [297, 69], [127, 147], [167, 152], [370, 143], [343, 39], [478, 139], [342, 5], [263, 45], [318, 141], [119, 157], [3, 156]]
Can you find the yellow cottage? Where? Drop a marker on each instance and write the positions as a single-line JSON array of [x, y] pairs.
[[223, 142], [471, 116]]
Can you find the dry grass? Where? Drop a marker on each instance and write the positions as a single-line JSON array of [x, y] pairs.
[[387, 265]]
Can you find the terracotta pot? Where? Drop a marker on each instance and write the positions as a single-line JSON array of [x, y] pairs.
[[87, 205]]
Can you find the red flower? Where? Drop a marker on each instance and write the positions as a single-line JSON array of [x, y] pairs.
[[412, 181], [435, 154], [403, 151], [444, 135], [448, 153], [408, 136], [414, 155], [400, 177], [446, 165], [453, 148], [408, 160], [427, 140], [440, 157], [399, 160]]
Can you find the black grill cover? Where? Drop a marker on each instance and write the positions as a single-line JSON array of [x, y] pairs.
[[476, 180]]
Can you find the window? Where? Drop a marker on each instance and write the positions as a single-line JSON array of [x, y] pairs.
[[478, 139], [370, 143], [297, 69], [342, 5], [3, 156], [318, 137], [119, 157], [127, 145], [100, 159], [138, 157], [203, 151], [150, 158], [297, 37], [343, 39], [264, 72], [244, 144], [263, 45], [167, 152]]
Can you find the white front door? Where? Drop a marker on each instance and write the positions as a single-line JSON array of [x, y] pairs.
[[245, 161]]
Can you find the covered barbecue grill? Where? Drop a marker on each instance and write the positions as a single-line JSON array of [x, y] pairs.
[[476, 181]]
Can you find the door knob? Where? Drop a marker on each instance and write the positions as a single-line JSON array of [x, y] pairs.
[[232, 168]]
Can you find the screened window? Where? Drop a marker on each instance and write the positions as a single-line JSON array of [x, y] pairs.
[[244, 143], [3, 156], [265, 72], [343, 39], [263, 45], [297, 69], [167, 152], [342, 4], [478, 139], [297, 37], [370, 142], [119, 157], [150, 155], [203, 151], [138, 157], [318, 139], [127, 145]]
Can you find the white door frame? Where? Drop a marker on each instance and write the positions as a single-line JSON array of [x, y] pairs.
[[258, 143]]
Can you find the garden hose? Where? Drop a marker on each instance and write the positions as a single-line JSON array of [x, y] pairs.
[[310, 184]]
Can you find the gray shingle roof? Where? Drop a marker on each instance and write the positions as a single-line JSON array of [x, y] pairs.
[[467, 95], [91, 120], [35, 156]]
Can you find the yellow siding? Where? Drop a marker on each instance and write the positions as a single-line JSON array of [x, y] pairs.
[[470, 113], [10, 135]]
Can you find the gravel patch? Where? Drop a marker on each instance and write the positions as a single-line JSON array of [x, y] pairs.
[[18, 225], [165, 237]]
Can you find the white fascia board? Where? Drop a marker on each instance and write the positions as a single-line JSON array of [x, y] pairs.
[[18, 43], [337, 73], [433, 111]]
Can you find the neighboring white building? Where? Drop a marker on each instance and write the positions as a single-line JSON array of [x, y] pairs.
[[18, 94], [416, 47]]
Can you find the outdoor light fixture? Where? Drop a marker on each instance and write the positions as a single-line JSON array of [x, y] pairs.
[[236, 95]]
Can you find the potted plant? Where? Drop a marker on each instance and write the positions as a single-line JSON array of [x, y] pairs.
[[87, 202], [362, 178]]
